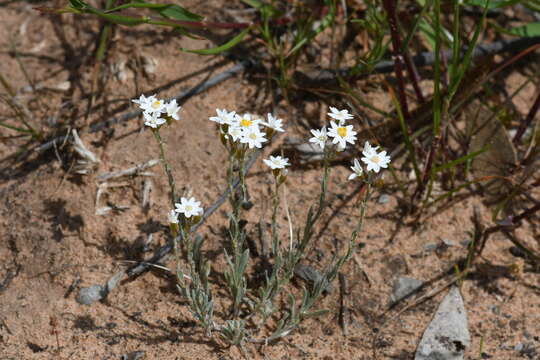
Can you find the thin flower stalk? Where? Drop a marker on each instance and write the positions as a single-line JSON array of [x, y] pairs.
[[166, 166]]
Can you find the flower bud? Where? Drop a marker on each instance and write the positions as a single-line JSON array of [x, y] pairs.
[[269, 133], [223, 139], [282, 178]]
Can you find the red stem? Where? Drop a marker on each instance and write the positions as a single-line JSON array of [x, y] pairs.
[[528, 120], [390, 8]]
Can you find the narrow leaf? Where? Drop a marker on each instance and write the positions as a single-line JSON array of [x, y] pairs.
[[176, 12], [15, 128], [456, 162], [78, 4], [230, 44], [529, 30], [492, 4]]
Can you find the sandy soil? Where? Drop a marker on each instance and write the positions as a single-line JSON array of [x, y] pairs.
[[53, 243]]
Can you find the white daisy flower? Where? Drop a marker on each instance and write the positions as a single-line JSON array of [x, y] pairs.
[[173, 217], [247, 121], [189, 207], [153, 120], [276, 162], [172, 109], [357, 170], [319, 137], [342, 134], [223, 117], [235, 132], [253, 137], [144, 102], [374, 160], [274, 123], [151, 104], [340, 115]]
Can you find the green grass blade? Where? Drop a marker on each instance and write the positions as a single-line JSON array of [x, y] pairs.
[[416, 23], [529, 30], [493, 4], [325, 22], [228, 45], [456, 43], [170, 11], [458, 161], [468, 55], [18, 129]]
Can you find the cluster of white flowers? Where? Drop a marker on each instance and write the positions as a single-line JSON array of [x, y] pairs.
[[339, 131], [247, 128], [156, 111], [374, 161]]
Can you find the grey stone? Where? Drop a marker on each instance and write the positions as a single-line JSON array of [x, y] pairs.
[[88, 295], [404, 286], [383, 199], [113, 281], [495, 309], [526, 349], [447, 336], [431, 247], [134, 355], [448, 242]]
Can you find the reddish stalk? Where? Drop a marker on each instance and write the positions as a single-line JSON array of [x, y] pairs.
[[390, 8], [415, 77], [507, 224], [427, 170], [528, 120]]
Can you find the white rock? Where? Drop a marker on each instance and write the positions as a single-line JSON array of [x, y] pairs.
[[447, 336]]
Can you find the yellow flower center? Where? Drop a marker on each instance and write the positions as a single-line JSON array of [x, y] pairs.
[[189, 207], [342, 131], [156, 104], [374, 159], [253, 136], [246, 122], [322, 138]]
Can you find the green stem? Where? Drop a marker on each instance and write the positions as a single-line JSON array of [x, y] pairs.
[[166, 166], [363, 208], [275, 237], [324, 184]]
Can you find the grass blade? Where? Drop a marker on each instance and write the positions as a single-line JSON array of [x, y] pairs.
[[228, 45]]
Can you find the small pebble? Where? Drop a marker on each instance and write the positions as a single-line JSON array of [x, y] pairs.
[[495, 309], [517, 252], [448, 242], [62, 86], [383, 199], [91, 294], [431, 247], [526, 349], [134, 355]]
